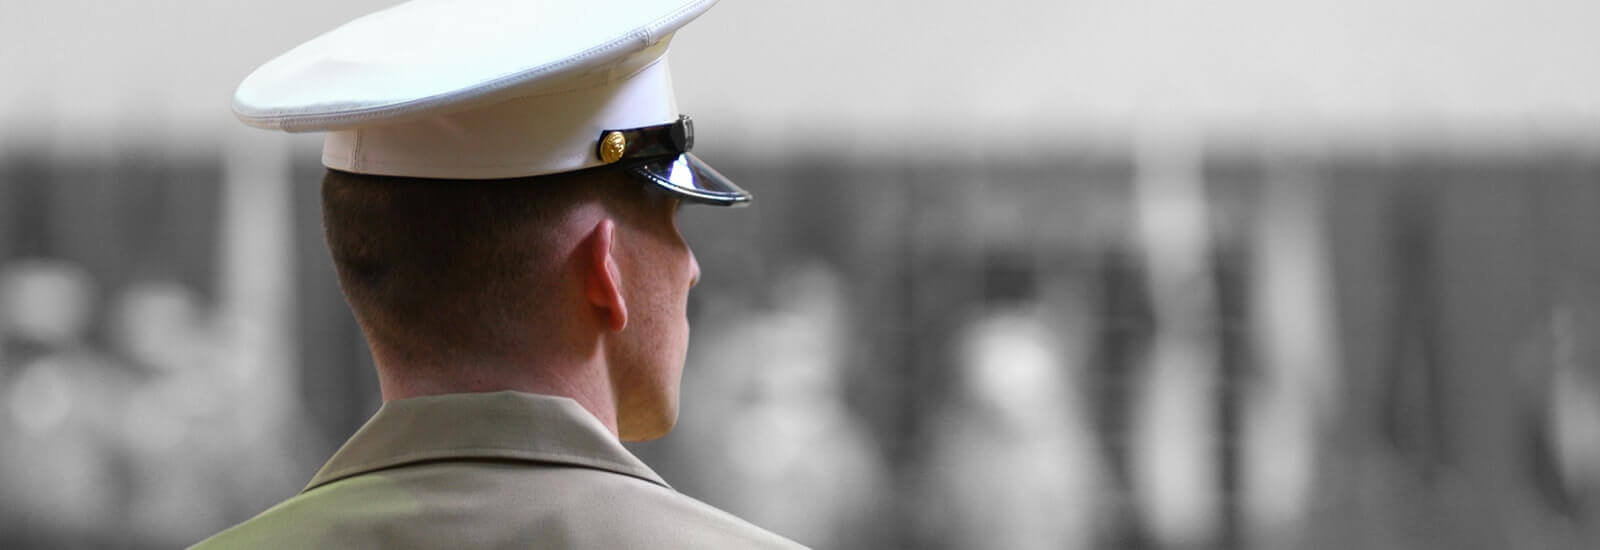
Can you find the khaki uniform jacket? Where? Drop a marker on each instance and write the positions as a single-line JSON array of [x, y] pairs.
[[489, 470]]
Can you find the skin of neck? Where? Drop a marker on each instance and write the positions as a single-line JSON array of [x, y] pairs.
[[582, 379]]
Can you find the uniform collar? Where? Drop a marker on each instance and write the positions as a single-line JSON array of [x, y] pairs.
[[500, 426]]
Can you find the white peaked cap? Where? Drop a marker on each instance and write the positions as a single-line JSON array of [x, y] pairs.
[[488, 89]]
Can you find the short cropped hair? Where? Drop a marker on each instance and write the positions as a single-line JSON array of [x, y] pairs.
[[434, 266]]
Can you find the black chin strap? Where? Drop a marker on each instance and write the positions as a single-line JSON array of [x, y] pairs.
[[674, 138]]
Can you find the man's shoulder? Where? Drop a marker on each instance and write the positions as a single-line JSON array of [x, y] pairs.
[[603, 509], [480, 504], [661, 517]]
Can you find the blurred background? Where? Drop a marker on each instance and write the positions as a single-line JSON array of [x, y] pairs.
[[1074, 274]]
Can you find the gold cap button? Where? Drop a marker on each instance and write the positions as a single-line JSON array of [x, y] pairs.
[[612, 146]]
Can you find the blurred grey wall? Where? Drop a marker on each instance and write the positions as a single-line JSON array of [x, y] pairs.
[[889, 74]]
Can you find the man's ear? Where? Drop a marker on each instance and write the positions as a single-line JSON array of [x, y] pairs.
[[603, 285]]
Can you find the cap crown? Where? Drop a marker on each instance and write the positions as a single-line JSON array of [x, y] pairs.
[[434, 57]]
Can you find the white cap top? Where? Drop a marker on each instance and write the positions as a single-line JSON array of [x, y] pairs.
[[478, 89], [434, 56]]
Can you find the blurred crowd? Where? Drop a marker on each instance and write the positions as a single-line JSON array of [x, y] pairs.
[[145, 440], [1160, 348]]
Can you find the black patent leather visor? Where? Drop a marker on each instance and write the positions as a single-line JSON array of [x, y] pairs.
[[660, 155], [692, 179]]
